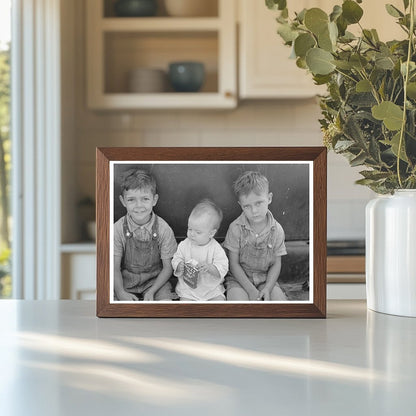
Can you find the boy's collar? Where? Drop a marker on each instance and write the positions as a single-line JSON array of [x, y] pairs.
[[242, 220], [134, 226]]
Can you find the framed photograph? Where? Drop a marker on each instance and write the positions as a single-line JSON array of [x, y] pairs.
[[211, 232]]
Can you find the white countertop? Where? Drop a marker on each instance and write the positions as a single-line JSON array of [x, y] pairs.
[[57, 358]]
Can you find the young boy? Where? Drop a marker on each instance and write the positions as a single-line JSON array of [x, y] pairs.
[[200, 262], [143, 243], [255, 242]]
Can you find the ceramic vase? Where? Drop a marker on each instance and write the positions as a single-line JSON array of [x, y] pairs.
[[391, 253]]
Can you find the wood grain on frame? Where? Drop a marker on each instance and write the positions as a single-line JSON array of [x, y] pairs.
[[317, 309]]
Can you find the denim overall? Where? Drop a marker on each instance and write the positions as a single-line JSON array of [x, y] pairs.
[[141, 262], [257, 258]]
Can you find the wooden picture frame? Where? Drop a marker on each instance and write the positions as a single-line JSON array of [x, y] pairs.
[[297, 173]]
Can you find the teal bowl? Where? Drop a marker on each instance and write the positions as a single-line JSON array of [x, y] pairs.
[[135, 8], [186, 76]]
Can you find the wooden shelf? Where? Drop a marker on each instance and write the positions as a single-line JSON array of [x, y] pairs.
[[160, 24]]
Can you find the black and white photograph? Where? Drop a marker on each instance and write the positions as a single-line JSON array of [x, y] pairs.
[[211, 232], [227, 232]]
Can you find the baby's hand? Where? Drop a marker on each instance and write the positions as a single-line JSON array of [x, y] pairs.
[[207, 268], [180, 268]]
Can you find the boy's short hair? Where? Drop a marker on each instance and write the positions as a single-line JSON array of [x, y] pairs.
[[251, 181], [138, 179], [208, 207]]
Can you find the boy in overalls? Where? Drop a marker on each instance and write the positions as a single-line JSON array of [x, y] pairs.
[[255, 242], [144, 243]]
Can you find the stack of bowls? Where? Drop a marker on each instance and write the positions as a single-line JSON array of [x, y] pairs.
[[147, 80]]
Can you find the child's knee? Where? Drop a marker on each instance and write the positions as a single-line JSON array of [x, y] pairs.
[[277, 293], [237, 293]]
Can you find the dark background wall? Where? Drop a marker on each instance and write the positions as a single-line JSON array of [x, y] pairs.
[[181, 186]]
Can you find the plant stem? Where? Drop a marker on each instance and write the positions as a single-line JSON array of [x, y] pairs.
[[405, 81]]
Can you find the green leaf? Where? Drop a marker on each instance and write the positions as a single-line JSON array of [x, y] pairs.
[[384, 62], [393, 11], [321, 79], [325, 42], [375, 35], [394, 143], [316, 20], [319, 61], [406, 4], [351, 11], [303, 43], [287, 33], [358, 61], [374, 174], [301, 63], [336, 12], [343, 145], [301, 15], [391, 114], [347, 37], [345, 65], [276, 4], [358, 160], [342, 25], [363, 86], [411, 90]]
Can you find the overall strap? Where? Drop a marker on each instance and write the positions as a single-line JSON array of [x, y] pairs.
[[126, 231], [155, 228]]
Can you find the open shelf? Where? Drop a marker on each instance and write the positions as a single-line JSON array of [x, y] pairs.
[[118, 45]]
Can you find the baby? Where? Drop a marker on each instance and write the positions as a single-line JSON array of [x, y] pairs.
[[200, 263]]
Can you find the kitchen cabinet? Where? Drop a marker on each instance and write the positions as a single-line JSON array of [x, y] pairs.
[[265, 70], [118, 45], [78, 264]]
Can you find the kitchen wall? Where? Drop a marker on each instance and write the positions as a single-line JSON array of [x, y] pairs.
[[253, 123]]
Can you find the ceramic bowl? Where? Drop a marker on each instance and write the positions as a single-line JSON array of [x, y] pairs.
[[191, 8], [147, 80], [135, 8], [186, 76]]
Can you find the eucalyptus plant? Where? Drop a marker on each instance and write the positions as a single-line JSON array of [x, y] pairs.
[[369, 111]]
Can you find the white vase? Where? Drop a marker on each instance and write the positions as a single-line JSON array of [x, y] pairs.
[[391, 253]]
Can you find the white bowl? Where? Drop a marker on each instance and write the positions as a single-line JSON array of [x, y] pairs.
[[147, 80], [191, 8]]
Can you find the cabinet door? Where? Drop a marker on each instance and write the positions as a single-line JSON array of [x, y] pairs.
[[265, 69], [78, 276]]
